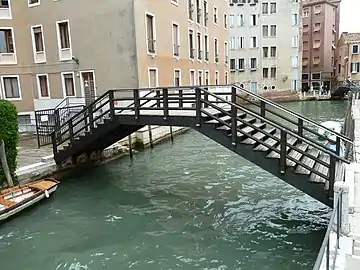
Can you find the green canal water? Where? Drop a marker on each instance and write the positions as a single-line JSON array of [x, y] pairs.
[[188, 205]]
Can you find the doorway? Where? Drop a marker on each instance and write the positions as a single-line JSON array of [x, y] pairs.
[[88, 86]]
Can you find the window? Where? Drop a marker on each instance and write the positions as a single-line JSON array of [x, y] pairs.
[[315, 76], [305, 28], [233, 63], [273, 30], [225, 21], [192, 77], [265, 73], [226, 52], [272, 8], [176, 39], [215, 11], [207, 79], [273, 72], [355, 49], [232, 41], [226, 78], [306, 13], [295, 41], [253, 20], [68, 84], [355, 67], [265, 52], [295, 19], [317, 27], [216, 77], [43, 85], [305, 61], [177, 77], [253, 42], [231, 20], [199, 46], [198, 11], [294, 61], [306, 45], [316, 60], [191, 10], [216, 50], [38, 38], [241, 63], [317, 44], [273, 51], [253, 63], [150, 33], [33, 3], [200, 77], [294, 85], [240, 41], [317, 10], [5, 9], [305, 76], [191, 44], [206, 44], [253, 87], [265, 30], [206, 14], [6, 41], [11, 87], [265, 8], [64, 35], [4, 4], [240, 20]]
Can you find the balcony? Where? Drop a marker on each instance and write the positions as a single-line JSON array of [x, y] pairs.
[[207, 56], [217, 58], [199, 54]]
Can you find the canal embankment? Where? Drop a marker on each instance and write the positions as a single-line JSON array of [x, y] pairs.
[[35, 163]]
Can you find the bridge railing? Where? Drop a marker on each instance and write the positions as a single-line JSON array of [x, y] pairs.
[[295, 121], [326, 260]]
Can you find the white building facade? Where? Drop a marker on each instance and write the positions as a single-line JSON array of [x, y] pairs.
[[264, 44]]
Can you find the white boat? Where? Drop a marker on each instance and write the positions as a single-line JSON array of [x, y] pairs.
[[332, 125], [17, 198]]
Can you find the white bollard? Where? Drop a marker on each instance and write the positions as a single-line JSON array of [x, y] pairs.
[[338, 187]]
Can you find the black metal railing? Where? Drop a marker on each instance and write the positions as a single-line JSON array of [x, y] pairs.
[[324, 252], [195, 101]]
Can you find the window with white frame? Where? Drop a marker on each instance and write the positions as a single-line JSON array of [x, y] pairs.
[[273, 30], [177, 77], [43, 85], [226, 52], [225, 21], [191, 44], [232, 20], [215, 15], [226, 78], [200, 77], [68, 84], [191, 9], [176, 39], [199, 45], [150, 33], [253, 19], [38, 44], [356, 49], [295, 41], [6, 40], [253, 63], [241, 65], [207, 78], [11, 87], [198, 11], [294, 61], [240, 20], [253, 42], [217, 81], [232, 43], [295, 19], [216, 50], [64, 40], [33, 3], [192, 78], [206, 13], [240, 43], [273, 7], [355, 67], [206, 47]]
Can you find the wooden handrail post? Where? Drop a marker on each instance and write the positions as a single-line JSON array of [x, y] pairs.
[[300, 128], [71, 130], [136, 103], [233, 117], [158, 95], [332, 169], [112, 105], [198, 106], [181, 98], [262, 109], [166, 103], [91, 117], [283, 151], [206, 97], [338, 145]]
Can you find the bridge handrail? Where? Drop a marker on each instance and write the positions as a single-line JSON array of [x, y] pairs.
[[277, 106], [325, 246], [289, 131]]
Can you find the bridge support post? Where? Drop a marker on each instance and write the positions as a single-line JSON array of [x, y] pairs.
[[283, 151], [262, 109], [150, 137], [300, 128], [198, 106], [343, 208], [233, 117]]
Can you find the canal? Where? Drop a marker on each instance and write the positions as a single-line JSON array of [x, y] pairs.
[[188, 205]]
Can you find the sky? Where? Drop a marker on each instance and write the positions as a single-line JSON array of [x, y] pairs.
[[349, 16]]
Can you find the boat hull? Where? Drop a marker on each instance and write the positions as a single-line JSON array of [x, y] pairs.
[[28, 202]]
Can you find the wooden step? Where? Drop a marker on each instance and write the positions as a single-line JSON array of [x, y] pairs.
[[320, 168], [309, 161], [250, 130], [295, 154], [270, 141], [226, 118], [259, 135], [251, 120], [290, 140]]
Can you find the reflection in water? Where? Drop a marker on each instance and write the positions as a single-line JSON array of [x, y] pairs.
[[190, 205]]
